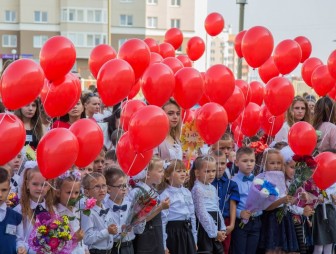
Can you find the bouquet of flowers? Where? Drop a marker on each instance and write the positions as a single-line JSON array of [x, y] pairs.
[[261, 195], [304, 169], [13, 199], [52, 234], [141, 207]]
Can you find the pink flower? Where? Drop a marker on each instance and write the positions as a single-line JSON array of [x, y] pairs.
[[90, 203], [53, 226], [53, 243]]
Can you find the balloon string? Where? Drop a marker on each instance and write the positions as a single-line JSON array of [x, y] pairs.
[[133, 163], [329, 129], [272, 121]]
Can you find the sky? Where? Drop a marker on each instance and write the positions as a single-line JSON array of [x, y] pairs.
[[286, 19]]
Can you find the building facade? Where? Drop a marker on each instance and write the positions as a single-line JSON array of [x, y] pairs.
[[25, 25]]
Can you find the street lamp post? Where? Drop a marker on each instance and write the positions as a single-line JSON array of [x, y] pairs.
[[109, 41], [13, 51], [241, 28]]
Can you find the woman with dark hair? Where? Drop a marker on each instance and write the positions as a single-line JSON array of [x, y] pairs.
[[170, 148], [91, 102], [298, 111], [30, 116], [324, 121], [109, 125], [76, 113]]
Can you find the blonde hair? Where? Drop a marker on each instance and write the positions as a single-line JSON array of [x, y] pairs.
[[267, 152], [174, 132], [27, 212], [59, 182], [153, 162], [91, 177]]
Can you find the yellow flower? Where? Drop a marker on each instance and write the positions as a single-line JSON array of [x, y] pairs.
[[63, 234], [57, 222], [65, 219], [66, 228], [42, 229]]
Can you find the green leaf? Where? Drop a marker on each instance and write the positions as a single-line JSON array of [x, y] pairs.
[[87, 212], [71, 218]]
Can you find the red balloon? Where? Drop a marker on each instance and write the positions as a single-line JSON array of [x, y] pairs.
[[128, 109], [235, 104], [256, 93], [134, 90], [57, 152], [268, 70], [306, 47], [332, 93], [238, 136], [174, 36], [251, 120], [57, 57], [152, 45], [189, 87], [185, 60], [90, 139], [287, 56], [155, 58], [322, 81], [244, 87], [173, 63], [279, 94], [115, 80], [21, 83], [204, 99], [166, 50], [195, 48], [141, 127], [211, 121], [68, 92], [325, 175], [257, 46], [308, 68], [238, 43], [269, 123], [188, 115], [302, 138], [220, 83], [12, 137], [158, 84], [332, 64], [131, 162], [100, 55], [137, 54], [214, 24]]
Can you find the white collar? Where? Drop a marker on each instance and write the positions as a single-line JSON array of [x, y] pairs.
[[61, 208], [3, 207], [33, 204]]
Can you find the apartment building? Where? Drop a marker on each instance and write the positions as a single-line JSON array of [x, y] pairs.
[[26, 24]]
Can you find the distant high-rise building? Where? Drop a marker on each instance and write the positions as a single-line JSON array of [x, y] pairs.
[[25, 25]]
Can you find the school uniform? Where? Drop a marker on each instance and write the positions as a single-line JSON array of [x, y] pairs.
[[28, 223], [96, 235], [11, 230], [227, 190], [74, 224], [120, 216], [179, 221], [151, 240], [245, 239], [209, 218], [324, 229]]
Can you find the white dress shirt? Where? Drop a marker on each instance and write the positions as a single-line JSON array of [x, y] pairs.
[[96, 235], [181, 208], [121, 218], [62, 210]]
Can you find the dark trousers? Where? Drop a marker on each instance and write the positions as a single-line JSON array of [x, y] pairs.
[[125, 248], [244, 240]]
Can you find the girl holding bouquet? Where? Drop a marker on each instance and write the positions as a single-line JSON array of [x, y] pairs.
[[179, 221], [68, 190], [36, 197], [276, 237], [211, 227]]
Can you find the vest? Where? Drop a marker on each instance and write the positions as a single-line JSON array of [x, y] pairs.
[[7, 241]]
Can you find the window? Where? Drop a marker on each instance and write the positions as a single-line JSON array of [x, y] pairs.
[[93, 40], [152, 1], [9, 40], [96, 16], [126, 1], [152, 22], [126, 20], [175, 2], [121, 42], [175, 23], [39, 40], [40, 16], [10, 16]]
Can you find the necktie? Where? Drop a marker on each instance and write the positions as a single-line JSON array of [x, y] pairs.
[[15, 184], [116, 208], [103, 211], [248, 178]]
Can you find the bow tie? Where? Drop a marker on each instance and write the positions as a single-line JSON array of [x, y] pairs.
[[103, 211], [116, 208], [248, 178], [39, 209]]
